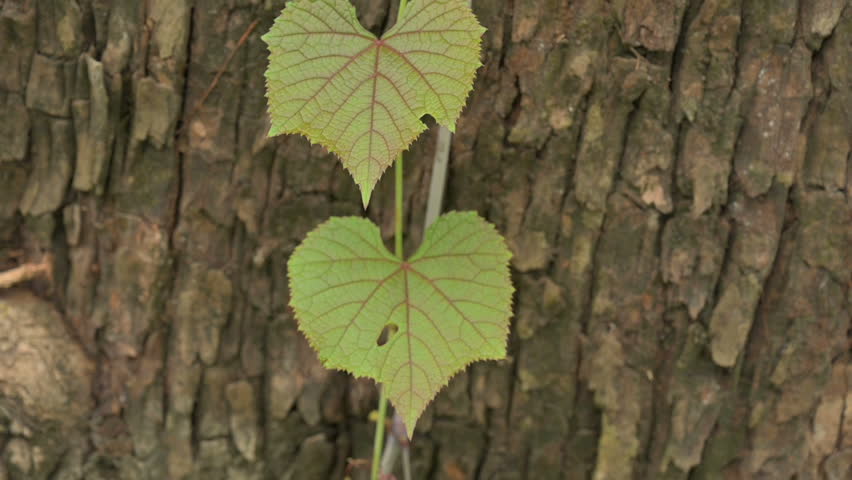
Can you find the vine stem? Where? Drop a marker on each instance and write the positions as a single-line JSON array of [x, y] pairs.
[[379, 441], [398, 209], [398, 187], [380, 434]]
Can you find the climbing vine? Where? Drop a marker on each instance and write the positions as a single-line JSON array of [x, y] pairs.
[[408, 323]]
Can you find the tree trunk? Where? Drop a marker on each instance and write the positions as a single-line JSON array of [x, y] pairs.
[[673, 176]]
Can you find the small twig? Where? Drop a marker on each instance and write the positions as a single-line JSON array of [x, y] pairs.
[[219, 74], [438, 182], [390, 453], [406, 462], [27, 271]]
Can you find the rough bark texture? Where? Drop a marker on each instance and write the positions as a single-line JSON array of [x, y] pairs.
[[674, 178]]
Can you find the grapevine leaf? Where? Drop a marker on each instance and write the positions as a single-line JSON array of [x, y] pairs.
[[361, 97], [445, 307]]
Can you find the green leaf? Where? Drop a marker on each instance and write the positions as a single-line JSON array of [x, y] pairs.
[[362, 98], [449, 304]]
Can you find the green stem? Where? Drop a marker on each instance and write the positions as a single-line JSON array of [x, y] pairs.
[[398, 209], [379, 440], [380, 435]]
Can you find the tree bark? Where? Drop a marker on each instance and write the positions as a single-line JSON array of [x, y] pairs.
[[673, 176]]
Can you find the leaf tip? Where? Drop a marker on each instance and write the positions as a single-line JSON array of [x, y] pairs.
[[365, 196], [411, 423]]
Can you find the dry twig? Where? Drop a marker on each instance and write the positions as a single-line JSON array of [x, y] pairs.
[[27, 271]]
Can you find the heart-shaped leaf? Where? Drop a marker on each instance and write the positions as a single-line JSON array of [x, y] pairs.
[[361, 97], [410, 325]]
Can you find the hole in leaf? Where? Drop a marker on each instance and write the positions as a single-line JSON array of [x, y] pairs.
[[386, 334]]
